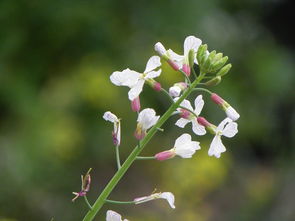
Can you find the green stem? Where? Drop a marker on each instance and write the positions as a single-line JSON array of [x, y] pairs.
[[145, 158], [87, 202], [136, 151], [186, 77], [203, 89], [119, 202], [194, 72], [118, 157]]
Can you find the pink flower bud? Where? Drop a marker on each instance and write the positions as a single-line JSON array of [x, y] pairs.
[[203, 122], [217, 99], [157, 86], [165, 155], [135, 105], [185, 114], [186, 69], [173, 64]]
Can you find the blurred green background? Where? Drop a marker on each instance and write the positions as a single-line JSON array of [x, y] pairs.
[[55, 62]]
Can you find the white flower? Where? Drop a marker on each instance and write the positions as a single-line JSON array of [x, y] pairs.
[[190, 43], [109, 116], [160, 49], [114, 216], [226, 128], [166, 195], [146, 119], [174, 91], [135, 80], [232, 113], [189, 117], [185, 147]]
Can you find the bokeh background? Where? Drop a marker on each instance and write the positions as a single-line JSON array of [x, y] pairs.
[[55, 62]]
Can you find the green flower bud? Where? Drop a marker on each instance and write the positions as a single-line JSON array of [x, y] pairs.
[[217, 57], [208, 61], [191, 58], [219, 64], [202, 51], [214, 81], [223, 71]]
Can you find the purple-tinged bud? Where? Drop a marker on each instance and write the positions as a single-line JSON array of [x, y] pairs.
[[165, 155], [186, 69], [210, 127], [217, 99], [139, 132], [135, 104], [157, 86], [185, 114], [173, 64]]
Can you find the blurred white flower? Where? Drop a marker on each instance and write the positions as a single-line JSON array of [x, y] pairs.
[[109, 116], [135, 80], [166, 195], [226, 128], [187, 116], [146, 119], [114, 216]]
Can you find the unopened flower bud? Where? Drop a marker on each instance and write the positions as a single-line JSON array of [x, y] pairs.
[[223, 71], [191, 57], [208, 62], [186, 69], [173, 64], [213, 82], [201, 53], [154, 84], [177, 89], [229, 110], [210, 127], [165, 155], [135, 105], [218, 64]]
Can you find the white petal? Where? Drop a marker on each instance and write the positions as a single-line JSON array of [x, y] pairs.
[[126, 77], [174, 56], [187, 104], [109, 116], [160, 48], [191, 42], [197, 128], [216, 147], [169, 197], [188, 149], [174, 91], [152, 64], [199, 104], [181, 122], [232, 113], [113, 216], [153, 74], [147, 118], [222, 124], [136, 90], [182, 140], [230, 130]]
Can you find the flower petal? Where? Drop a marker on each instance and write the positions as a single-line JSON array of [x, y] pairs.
[[182, 140], [186, 150], [230, 130], [126, 77], [191, 42], [169, 197], [113, 216], [136, 90], [174, 56], [147, 118], [153, 74], [199, 104], [222, 124], [216, 147], [197, 128], [232, 113], [187, 104], [181, 122], [109, 116], [152, 64]]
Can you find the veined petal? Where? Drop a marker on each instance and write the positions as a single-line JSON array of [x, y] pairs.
[[199, 104], [230, 130], [152, 64], [181, 122], [216, 147], [136, 90], [169, 197], [126, 77], [113, 216], [174, 56], [222, 124], [197, 128], [153, 74], [191, 42], [109, 116]]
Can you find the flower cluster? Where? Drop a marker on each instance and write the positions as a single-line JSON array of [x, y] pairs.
[[213, 67]]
